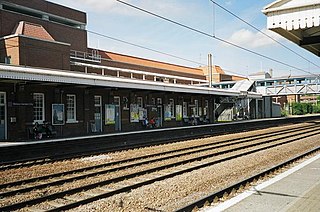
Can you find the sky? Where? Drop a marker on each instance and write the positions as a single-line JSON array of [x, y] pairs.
[[116, 20]]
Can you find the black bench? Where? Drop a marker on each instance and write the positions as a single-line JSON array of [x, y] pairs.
[[46, 133]]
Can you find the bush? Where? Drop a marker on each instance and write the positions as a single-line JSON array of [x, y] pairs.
[[304, 108], [284, 113]]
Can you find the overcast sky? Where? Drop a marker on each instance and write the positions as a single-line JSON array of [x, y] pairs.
[[113, 19]]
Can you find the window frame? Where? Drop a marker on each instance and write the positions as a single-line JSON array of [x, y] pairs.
[[196, 108], [185, 110], [96, 97], [172, 107], [40, 121], [74, 118], [8, 60], [140, 102]]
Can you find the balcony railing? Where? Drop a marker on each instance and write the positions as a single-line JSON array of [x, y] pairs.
[[85, 56]]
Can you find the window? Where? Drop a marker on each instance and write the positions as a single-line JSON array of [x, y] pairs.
[[153, 101], [71, 108], [185, 110], [206, 108], [38, 107], [7, 60], [116, 100], [196, 108], [171, 106], [97, 101], [125, 102], [159, 101], [140, 102]]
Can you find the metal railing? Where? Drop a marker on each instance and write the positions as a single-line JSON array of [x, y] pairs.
[[94, 56]]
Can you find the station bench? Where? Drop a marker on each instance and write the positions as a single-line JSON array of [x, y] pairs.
[[42, 131]]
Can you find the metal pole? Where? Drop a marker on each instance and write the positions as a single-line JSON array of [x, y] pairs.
[[210, 69]]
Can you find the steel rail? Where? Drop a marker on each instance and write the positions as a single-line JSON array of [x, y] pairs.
[[71, 172], [229, 190], [117, 179], [67, 150], [47, 161]]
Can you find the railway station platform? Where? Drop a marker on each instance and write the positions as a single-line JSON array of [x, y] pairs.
[[297, 189], [16, 151]]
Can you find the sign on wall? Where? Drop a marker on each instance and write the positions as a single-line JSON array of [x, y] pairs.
[[134, 113], [110, 114], [143, 114], [167, 112], [178, 112], [58, 114]]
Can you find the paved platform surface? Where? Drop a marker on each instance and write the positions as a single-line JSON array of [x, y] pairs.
[[297, 189]]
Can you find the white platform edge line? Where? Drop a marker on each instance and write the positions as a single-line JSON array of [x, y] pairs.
[[245, 194]]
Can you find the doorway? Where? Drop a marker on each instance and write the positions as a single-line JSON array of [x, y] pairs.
[[116, 101], [3, 116], [159, 119], [98, 113]]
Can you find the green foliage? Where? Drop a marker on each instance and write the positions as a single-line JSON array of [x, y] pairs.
[[304, 108], [284, 113]]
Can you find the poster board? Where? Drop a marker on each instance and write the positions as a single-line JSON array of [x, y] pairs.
[[178, 112], [167, 112], [134, 113], [58, 114], [110, 111], [142, 114]]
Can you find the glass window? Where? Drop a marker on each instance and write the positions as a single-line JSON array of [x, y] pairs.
[[116, 100], [1, 98], [7, 60], [140, 102], [159, 101], [71, 107], [97, 101], [171, 106], [153, 101], [196, 108], [125, 102], [206, 108], [185, 110], [38, 107]]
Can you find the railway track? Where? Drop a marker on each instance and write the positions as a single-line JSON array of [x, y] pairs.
[[67, 148], [39, 161], [231, 190], [116, 177]]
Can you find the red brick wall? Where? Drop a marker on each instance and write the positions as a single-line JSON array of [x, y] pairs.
[[10, 47], [76, 37], [39, 53], [52, 8]]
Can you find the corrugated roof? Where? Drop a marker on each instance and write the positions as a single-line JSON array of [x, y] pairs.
[[32, 30], [242, 85]]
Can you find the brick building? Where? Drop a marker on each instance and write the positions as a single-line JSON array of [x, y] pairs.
[[48, 74]]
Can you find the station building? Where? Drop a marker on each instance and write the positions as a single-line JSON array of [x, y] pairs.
[[49, 74]]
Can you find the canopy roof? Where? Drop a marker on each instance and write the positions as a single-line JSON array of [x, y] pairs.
[[296, 20]]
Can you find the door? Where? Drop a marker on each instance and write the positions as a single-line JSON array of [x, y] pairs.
[[3, 116], [98, 113], [116, 101], [159, 118]]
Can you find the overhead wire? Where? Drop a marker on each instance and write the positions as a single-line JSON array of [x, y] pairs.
[[143, 47], [212, 36], [149, 49], [260, 31]]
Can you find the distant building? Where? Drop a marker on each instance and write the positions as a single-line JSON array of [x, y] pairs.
[[219, 75], [260, 75], [49, 74]]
